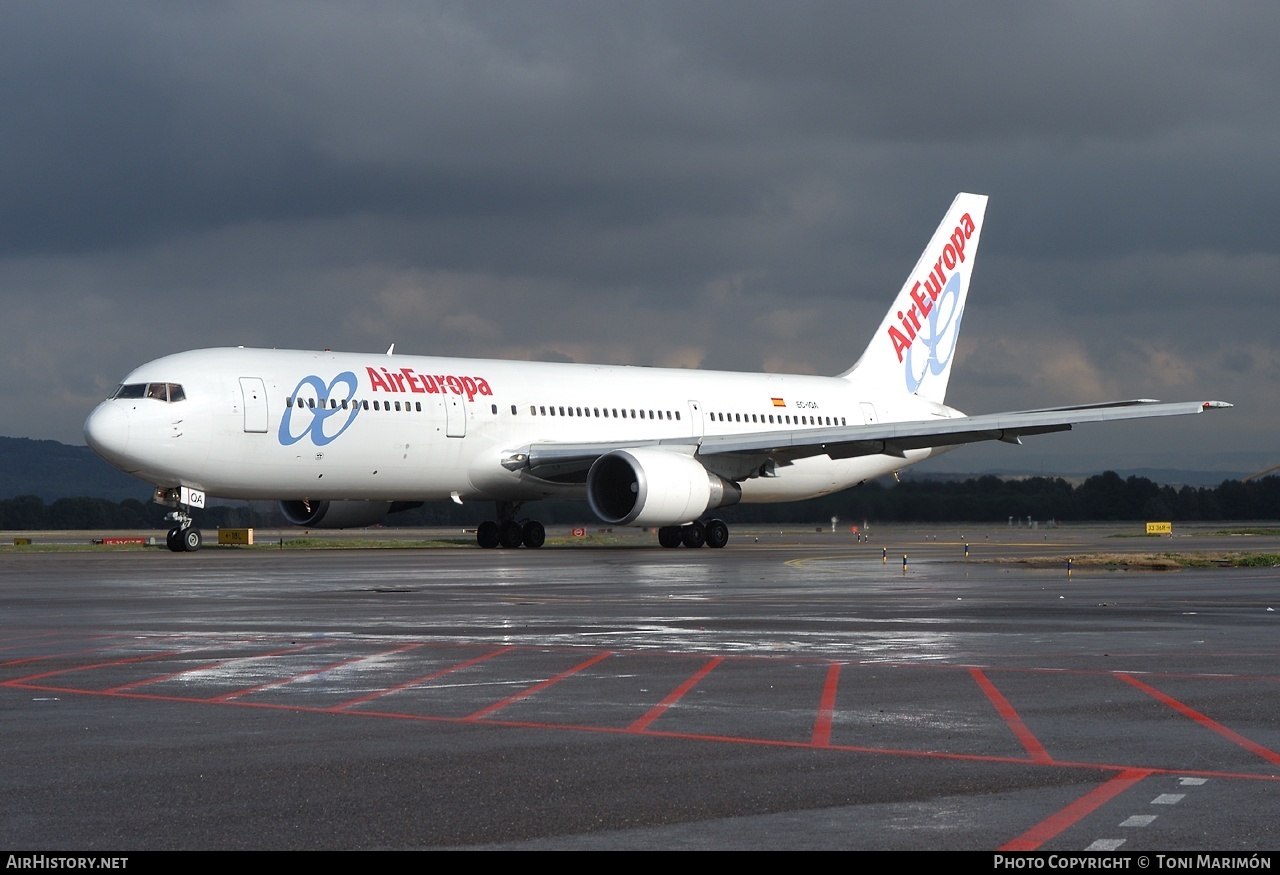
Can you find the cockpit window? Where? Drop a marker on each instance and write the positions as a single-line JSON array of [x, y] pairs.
[[167, 392], [130, 390]]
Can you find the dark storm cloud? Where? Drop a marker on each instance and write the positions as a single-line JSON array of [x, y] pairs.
[[734, 185], [134, 121]]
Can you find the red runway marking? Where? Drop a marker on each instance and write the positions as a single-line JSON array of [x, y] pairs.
[[377, 694], [24, 640], [97, 650], [1051, 826], [48, 674], [826, 708], [164, 677], [536, 687], [823, 725], [288, 680], [686, 736], [1208, 723], [1007, 713], [48, 656], [674, 696]]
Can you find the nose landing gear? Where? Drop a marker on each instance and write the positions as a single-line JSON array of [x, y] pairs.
[[184, 540], [183, 536]]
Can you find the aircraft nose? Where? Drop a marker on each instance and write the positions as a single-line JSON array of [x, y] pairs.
[[107, 432]]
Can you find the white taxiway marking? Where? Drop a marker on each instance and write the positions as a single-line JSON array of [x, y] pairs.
[[1139, 820]]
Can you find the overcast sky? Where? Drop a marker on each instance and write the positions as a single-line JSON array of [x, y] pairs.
[[734, 185]]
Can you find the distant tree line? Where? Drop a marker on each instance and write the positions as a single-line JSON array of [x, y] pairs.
[[27, 512], [1105, 496]]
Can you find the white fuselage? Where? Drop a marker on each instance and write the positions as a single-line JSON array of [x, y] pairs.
[[341, 438], [281, 424]]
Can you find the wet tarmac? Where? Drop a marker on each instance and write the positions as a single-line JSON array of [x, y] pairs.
[[792, 691]]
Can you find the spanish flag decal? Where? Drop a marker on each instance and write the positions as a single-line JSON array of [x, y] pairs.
[[778, 402]]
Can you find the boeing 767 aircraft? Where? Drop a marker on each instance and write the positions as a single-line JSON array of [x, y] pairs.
[[343, 439]]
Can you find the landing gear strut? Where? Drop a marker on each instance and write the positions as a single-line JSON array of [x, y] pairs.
[[183, 536], [713, 533], [508, 532]]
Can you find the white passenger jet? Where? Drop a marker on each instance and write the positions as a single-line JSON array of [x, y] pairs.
[[343, 439]]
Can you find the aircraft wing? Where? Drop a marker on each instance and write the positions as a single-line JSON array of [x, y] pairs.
[[894, 438], [569, 462]]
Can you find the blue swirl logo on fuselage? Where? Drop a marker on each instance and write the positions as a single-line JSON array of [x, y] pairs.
[[327, 406], [944, 327]]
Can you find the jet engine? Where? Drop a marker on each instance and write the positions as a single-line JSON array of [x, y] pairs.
[[335, 514], [647, 487]]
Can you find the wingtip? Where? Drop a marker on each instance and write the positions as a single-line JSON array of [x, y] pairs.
[[1217, 405]]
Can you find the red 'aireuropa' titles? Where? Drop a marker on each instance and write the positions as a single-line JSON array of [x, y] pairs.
[[407, 380], [922, 306]]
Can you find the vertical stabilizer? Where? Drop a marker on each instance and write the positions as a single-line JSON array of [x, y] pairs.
[[912, 349]]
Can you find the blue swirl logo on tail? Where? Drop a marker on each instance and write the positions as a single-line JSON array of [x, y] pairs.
[[940, 340], [323, 411]]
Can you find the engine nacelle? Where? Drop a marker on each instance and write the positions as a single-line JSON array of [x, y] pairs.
[[646, 487], [334, 514]]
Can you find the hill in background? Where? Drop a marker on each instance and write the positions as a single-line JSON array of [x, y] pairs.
[[52, 470]]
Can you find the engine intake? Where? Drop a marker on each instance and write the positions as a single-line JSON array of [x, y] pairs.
[[645, 487], [334, 514]]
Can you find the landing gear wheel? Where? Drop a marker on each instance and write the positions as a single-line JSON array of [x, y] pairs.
[[669, 536], [510, 534], [533, 535], [487, 534], [172, 540], [693, 535], [190, 539], [717, 533]]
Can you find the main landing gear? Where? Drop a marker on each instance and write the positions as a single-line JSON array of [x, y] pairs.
[[509, 533], [713, 533]]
